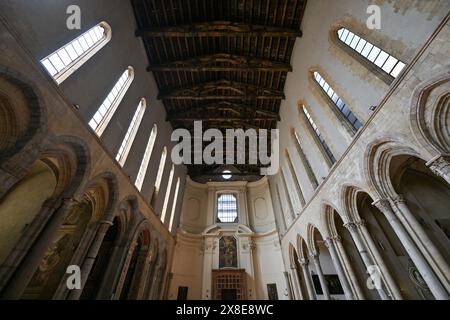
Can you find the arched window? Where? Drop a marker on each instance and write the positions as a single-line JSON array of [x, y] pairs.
[[338, 102], [296, 179], [66, 60], [304, 159], [371, 53], [168, 192], [174, 206], [227, 209], [159, 176], [326, 150], [146, 159], [101, 118], [131, 133]]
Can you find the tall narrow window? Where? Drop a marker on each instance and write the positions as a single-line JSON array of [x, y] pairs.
[[101, 118], [282, 214], [159, 177], [338, 102], [304, 159], [146, 159], [174, 205], [227, 209], [288, 194], [383, 60], [318, 135], [168, 192], [296, 179], [131, 133], [66, 60]]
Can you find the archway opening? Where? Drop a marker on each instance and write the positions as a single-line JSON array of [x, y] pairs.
[[323, 264], [354, 257], [93, 283], [59, 254], [391, 250], [427, 196], [137, 272], [23, 202]]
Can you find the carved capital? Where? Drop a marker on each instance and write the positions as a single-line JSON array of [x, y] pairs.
[[332, 239], [383, 205], [351, 226], [440, 166], [314, 255], [361, 223], [303, 262], [399, 200], [252, 245]]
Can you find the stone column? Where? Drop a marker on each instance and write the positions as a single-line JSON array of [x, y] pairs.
[[416, 256], [385, 273], [289, 286], [145, 276], [363, 252], [323, 283], [329, 242], [25, 271], [246, 262], [208, 252], [427, 246], [297, 285], [308, 281], [440, 167], [89, 260], [123, 274], [154, 290], [358, 293]]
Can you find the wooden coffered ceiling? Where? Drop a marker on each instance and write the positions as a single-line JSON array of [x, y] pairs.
[[221, 61]]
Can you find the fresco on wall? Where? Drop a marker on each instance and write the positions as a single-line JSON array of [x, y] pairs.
[[228, 252]]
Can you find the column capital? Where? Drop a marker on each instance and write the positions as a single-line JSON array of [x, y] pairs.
[[333, 239], [314, 255], [440, 165], [361, 223], [351, 226], [303, 262], [106, 222], [382, 204], [399, 199]]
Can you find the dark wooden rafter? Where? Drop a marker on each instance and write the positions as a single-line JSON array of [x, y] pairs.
[[237, 109], [209, 63], [219, 29], [212, 91], [222, 62]]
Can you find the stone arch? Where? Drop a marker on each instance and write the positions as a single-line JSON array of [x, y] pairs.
[[24, 121], [134, 272], [291, 251], [104, 266], [125, 213], [79, 161], [377, 160], [67, 159], [350, 202], [430, 114], [311, 239], [302, 248], [422, 198], [110, 188], [73, 238]]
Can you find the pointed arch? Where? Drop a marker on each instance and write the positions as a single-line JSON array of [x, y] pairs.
[[430, 114]]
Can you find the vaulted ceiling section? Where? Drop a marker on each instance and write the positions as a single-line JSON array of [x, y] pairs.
[[224, 62]]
